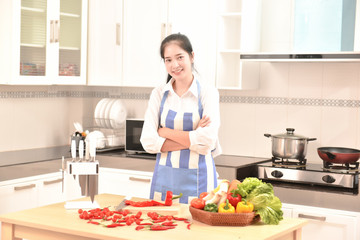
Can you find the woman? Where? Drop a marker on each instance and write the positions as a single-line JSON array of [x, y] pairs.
[[181, 125]]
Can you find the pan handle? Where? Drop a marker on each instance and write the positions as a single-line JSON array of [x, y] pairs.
[[311, 139], [267, 135], [329, 154]]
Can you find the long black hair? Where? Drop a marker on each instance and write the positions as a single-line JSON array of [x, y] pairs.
[[183, 42]]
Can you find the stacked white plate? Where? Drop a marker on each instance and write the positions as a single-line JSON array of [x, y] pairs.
[[110, 113]]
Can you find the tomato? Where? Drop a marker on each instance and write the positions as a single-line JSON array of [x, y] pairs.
[[198, 203], [204, 194]]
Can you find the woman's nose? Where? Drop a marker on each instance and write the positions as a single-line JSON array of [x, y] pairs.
[[175, 64]]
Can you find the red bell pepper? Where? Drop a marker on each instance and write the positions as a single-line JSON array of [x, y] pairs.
[[169, 197], [234, 198]]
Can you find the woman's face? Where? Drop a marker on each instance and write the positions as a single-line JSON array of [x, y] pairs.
[[178, 62]]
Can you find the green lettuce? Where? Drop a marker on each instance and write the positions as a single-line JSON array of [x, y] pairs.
[[261, 195]]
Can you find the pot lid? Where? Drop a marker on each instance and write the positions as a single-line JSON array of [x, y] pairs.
[[290, 135]]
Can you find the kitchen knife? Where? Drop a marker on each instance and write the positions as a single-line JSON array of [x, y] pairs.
[[73, 152], [122, 203], [92, 186], [83, 185]]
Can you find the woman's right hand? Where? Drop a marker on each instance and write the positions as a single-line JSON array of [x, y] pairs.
[[204, 122]]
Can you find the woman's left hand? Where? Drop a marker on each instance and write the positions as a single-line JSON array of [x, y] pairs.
[[162, 131]]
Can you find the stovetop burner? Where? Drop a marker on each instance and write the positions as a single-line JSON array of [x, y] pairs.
[[341, 167], [289, 163]]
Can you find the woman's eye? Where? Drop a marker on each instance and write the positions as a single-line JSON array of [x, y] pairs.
[[167, 60], [180, 57]]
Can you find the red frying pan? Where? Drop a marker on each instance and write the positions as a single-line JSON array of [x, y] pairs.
[[339, 154]]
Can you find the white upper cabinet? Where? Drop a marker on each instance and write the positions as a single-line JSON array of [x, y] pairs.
[[125, 38], [44, 42], [105, 42], [144, 28]]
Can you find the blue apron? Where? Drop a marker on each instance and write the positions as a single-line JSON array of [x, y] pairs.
[[182, 171]]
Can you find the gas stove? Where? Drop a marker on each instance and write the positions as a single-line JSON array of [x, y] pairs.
[[309, 174]]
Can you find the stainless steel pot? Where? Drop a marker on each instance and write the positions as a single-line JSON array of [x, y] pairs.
[[289, 145]]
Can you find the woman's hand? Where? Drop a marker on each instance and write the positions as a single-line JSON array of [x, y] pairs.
[[162, 131], [204, 122]]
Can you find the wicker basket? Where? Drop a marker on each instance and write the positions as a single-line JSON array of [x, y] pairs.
[[224, 219]]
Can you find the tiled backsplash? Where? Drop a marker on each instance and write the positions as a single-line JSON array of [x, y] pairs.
[[319, 100]]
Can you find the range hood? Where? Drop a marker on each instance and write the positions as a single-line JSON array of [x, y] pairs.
[[302, 57]]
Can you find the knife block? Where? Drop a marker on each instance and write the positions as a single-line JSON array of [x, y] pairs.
[[81, 180]]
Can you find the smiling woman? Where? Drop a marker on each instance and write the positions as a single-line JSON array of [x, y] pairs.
[[181, 126]]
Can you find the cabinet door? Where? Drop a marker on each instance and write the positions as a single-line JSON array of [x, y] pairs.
[[327, 225], [105, 43], [50, 190], [18, 196], [42, 51], [197, 20], [123, 182], [72, 42], [144, 29]]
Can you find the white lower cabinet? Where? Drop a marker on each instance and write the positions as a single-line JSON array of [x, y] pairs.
[[125, 182], [30, 192], [325, 223]]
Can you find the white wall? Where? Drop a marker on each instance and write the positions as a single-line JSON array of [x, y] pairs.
[[314, 98]]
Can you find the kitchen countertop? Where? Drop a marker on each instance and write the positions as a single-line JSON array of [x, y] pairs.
[[118, 159], [55, 221]]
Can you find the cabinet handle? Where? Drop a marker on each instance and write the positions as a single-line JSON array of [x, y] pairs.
[[51, 31], [323, 219], [139, 179], [18, 188], [52, 181], [163, 30], [56, 31], [118, 34]]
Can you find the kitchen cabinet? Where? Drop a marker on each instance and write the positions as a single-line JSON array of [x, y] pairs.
[[125, 38], [125, 182], [43, 42], [238, 32], [326, 223], [30, 192], [105, 41]]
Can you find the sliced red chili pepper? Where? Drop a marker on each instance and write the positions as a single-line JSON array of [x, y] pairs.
[[144, 224], [188, 226], [160, 228]]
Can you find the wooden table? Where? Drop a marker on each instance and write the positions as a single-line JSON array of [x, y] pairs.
[[55, 222]]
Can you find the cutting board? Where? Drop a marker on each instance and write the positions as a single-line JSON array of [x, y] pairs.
[[174, 209]]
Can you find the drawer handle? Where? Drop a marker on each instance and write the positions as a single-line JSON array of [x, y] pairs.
[[139, 179], [18, 188], [323, 219], [52, 181]]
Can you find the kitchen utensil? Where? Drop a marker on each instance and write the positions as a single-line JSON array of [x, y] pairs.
[[289, 145], [62, 172], [122, 203], [78, 127], [73, 150], [339, 154]]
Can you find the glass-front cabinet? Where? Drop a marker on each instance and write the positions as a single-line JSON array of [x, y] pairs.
[[48, 42]]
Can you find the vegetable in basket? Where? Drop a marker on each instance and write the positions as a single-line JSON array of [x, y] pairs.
[[244, 207], [226, 207], [198, 203], [211, 207], [261, 195]]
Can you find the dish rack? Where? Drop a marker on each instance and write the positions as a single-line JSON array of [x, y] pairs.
[[110, 139]]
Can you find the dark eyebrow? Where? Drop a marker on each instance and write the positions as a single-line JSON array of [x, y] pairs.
[[179, 54]]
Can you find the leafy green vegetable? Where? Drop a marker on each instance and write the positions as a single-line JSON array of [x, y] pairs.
[[261, 195]]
